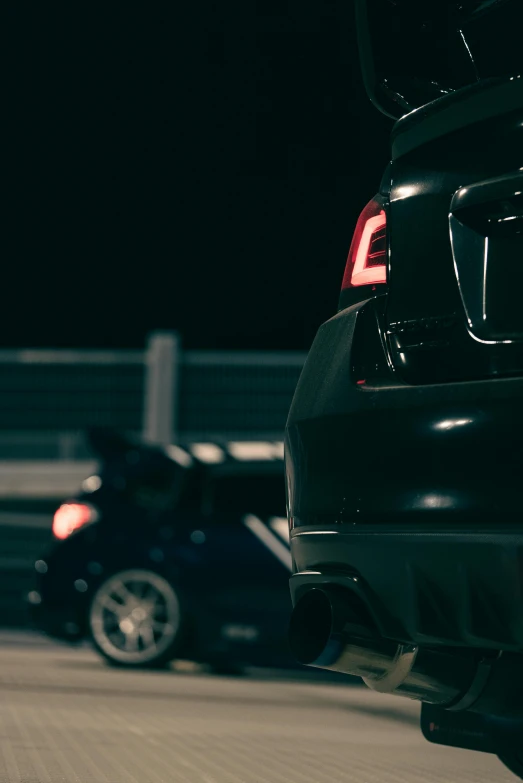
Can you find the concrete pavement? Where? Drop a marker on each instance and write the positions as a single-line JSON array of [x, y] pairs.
[[67, 718]]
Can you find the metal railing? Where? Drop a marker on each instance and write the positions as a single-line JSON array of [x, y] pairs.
[[49, 397]]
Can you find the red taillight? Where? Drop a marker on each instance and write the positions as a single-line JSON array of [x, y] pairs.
[[71, 516], [367, 260]]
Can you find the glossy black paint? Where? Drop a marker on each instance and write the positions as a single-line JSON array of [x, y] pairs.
[[472, 144], [404, 440], [385, 452], [222, 573], [486, 229]]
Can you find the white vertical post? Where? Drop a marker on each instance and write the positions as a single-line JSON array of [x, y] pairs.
[[66, 446], [161, 388]]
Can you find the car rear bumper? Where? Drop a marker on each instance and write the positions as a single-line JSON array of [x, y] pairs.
[[457, 589], [415, 490]]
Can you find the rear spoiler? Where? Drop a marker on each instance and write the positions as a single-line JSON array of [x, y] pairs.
[[413, 52]]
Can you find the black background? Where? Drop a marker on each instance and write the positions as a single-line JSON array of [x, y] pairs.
[[198, 168]]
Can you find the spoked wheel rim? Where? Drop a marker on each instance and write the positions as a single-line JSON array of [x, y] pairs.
[[135, 616]]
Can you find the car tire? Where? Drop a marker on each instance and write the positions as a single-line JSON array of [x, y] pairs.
[[513, 761], [136, 620]]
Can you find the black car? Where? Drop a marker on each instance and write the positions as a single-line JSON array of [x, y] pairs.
[[175, 553], [404, 443]]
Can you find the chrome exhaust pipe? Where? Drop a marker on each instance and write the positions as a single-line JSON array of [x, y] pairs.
[[329, 631]]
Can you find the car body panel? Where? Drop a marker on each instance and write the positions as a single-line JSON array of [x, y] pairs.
[[404, 440], [457, 146], [396, 454]]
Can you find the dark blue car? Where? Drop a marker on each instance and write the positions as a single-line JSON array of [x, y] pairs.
[[172, 553]]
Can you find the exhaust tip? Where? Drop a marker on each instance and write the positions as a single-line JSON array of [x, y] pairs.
[[310, 629]]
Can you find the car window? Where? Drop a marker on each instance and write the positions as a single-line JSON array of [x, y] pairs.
[[191, 492], [146, 479], [256, 494]]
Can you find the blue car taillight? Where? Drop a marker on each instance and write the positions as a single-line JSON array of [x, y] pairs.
[[72, 516]]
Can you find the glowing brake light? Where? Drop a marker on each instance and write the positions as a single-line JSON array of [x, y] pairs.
[[367, 259], [72, 516]]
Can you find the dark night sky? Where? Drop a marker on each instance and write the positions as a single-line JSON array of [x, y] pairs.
[[197, 168]]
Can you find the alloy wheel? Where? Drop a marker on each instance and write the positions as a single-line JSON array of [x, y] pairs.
[[135, 617]]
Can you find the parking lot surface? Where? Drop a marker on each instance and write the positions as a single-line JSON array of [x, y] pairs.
[[66, 717]]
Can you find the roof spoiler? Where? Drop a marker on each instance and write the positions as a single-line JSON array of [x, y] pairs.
[[413, 52]]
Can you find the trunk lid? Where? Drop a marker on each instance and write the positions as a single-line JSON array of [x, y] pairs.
[[454, 308]]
